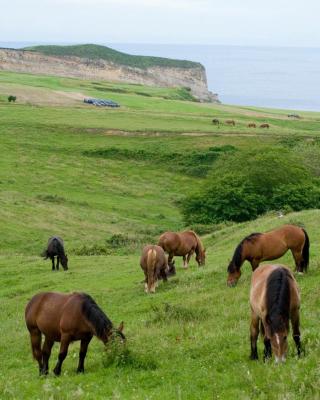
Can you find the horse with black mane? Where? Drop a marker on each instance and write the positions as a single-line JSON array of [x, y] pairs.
[[54, 248], [183, 244], [267, 246], [274, 300], [65, 318]]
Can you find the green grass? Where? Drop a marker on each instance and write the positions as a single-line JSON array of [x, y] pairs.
[[109, 181], [96, 52]]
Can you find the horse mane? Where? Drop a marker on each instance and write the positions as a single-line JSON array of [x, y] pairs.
[[199, 244], [237, 256], [278, 299], [95, 316]]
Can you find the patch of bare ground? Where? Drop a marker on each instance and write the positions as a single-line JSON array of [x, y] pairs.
[[41, 96]]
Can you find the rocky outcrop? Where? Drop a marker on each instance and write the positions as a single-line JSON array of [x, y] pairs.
[[70, 66]]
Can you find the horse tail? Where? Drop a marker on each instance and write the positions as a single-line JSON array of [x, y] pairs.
[[96, 317], [278, 298], [59, 246], [305, 251], [151, 264]]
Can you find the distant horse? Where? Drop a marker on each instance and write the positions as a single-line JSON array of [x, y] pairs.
[[274, 299], [12, 98], [259, 247], [215, 121], [65, 318], [264, 126], [252, 125], [155, 266], [55, 247], [183, 244], [230, 122]]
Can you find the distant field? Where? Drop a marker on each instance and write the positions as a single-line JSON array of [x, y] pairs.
[[109, 181]]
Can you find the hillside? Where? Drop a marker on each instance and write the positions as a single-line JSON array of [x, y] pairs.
[[95, 62], [109, 181]]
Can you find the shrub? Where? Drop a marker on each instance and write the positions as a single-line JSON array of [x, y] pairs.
[[244, 185]]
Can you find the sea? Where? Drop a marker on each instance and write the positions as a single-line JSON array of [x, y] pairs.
[[277, 77]]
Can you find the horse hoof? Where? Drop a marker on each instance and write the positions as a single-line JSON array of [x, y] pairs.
[[56, 372]]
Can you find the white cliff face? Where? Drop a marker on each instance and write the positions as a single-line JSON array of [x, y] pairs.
[[68, 66]]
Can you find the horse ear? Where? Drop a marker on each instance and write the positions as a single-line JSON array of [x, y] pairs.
[[120, 328]]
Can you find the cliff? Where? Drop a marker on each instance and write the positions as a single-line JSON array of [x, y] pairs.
[[102, 63]]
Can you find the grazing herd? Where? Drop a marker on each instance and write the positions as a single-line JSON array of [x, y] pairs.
[[274, 295], [232, 122]]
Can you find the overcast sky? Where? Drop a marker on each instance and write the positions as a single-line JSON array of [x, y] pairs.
[[233, 22]]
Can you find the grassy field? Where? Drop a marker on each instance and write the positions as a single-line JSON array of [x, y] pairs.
[[109, 181]]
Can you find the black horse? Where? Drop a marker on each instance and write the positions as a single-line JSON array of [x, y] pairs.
[[55, 248]]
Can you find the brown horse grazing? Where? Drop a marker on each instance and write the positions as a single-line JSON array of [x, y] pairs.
[[65, 318], [183, 244], [274, 299], [155, 266], [252, 125], [267, 246], [230, 122], [264, 126]]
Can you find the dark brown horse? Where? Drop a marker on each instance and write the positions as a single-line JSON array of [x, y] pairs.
[[215, 121], [264, 126], [252, 125], [267, 246], [230, 122], [65, 318], [274, 299], [183, 244], [55, 248], [155, 266]]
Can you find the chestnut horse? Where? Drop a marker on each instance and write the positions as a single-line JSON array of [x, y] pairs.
[[65, 318], [155, 266], [230, 122], [267, 246], [274, 299], [183, 244]]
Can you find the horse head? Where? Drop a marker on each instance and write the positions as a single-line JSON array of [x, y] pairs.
[[201, 257], [233, 274], [64, 261], [278, 337], [171, 270], [116, 333]]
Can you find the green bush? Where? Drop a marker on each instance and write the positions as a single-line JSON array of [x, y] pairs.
[[244, 185]]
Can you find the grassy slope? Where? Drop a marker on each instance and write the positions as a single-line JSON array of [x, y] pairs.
[[96, 52], [195, 348]]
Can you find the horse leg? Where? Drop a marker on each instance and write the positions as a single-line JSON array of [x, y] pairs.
[[255, 263], [146, 282], [267, 344], [297, 255], [65, 340], [52, 259], [46, 352], [185, 264], [295, 322], [83, 352], [35, 336], [58, 260], [254, 333], [188, 257]]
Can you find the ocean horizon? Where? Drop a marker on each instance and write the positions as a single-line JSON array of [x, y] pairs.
[[275, 77]]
